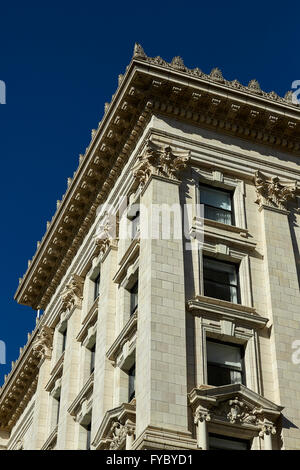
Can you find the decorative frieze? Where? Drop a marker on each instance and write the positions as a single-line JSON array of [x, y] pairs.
[[271, 192]]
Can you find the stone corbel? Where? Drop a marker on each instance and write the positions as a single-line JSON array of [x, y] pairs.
[[42, 346], [72, 294], [272, 193], [155, 161], [106, 234]]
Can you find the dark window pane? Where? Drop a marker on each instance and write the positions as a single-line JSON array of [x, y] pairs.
[[64, 340], [224, 363], [58, 410], [217, 204], [97, 287], [92, 368], [225, 443], [131, 385], [135, 224], [222, 292], [215, 198], [134, 298], [217, 214], [220, 280], [88, 436]]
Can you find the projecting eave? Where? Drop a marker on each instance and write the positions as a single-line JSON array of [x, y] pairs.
[[150, 86]]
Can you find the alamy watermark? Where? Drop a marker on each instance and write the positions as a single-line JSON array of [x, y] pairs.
[[2, 352], [160, 222], [296, 93], [2, 92], [296, 353]]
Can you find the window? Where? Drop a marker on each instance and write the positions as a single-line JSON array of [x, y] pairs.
[[96, 287], [134, 298], [58, 409], [92, 364], [227, 443], [135, 224], [88, 436], [131, 383], [225, 363], [221, 280], [64, 340], [217, 204]]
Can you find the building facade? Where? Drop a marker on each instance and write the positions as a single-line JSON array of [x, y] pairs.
[[168, 276]]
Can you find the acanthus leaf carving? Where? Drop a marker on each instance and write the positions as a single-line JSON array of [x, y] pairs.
[[42, 346], [271, 192], [163, 163], [72, 293]]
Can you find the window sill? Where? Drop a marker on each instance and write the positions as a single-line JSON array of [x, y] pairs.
[[219, 307]]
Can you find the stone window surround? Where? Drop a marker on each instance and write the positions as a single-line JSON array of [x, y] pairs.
[[223, 252], [245, 420], [219, 180], [227, 327], [81, 407]]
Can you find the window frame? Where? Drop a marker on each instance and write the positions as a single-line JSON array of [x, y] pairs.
[[237, 286], [227, 343], [224, 190]]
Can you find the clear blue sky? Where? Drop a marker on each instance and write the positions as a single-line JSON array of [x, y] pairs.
[[60, 62]]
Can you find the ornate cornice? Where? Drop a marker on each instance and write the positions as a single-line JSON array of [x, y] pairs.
[[272, 193], [20, 385], [215, 75], [149, 86]]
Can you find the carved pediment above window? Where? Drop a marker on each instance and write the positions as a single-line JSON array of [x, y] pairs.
[[72, 293], [42, 346], [237, 411], [271, 192], [160, 162], [116, 426]]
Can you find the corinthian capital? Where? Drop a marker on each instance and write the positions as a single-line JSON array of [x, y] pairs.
[[201, 414], [160, 162], [72, 293], [42, 346], [268, 428], [271, 192]]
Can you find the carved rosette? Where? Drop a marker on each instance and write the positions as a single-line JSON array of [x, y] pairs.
[[42, 346], [163, 163], [272, 193], [73, 293]]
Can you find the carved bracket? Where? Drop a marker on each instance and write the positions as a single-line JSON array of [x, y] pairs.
[[163, 163], [42, 346], [73, 293], [271, 192]]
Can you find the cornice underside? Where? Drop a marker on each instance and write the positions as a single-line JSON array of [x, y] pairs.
[[147, 95]]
